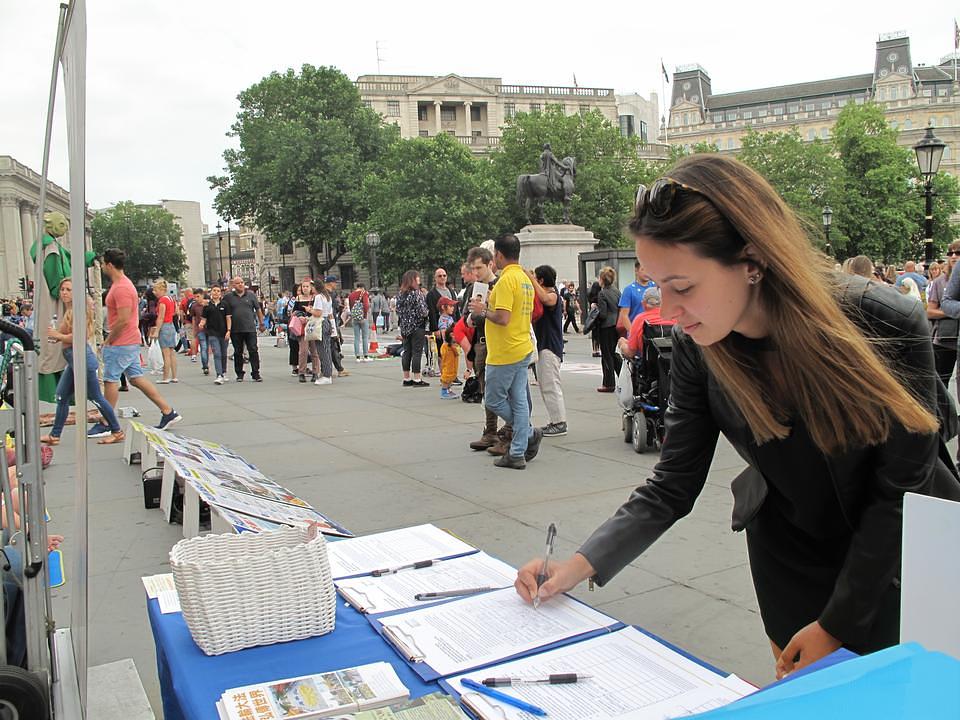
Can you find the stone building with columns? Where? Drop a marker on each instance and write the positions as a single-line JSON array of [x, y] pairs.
[[19, 201], [472, 109], [913, 96]]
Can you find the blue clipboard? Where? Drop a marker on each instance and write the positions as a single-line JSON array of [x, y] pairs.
[[429, 674]]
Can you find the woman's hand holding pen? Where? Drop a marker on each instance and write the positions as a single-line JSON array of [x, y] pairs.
[[561, 577]]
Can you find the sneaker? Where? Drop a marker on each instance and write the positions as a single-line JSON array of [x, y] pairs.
[[193, 359], [367, 358], [240, 379], [98, 430], [294, 372], [360, 359], [219, 380], [533, 444], [596, 354], [171, 418], [554, 429], [324, 381], [420, 383], [408, 383], [509, 461], [206, 371], [343, 373], [224, 378], [258, 379], [457, 381], [303, 378], [447, 394]]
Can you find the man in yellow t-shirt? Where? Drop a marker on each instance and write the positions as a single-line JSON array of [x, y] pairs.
[[507, 314]]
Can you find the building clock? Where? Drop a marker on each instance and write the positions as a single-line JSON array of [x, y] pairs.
[[686, 86], [902, 69], [892, 57]]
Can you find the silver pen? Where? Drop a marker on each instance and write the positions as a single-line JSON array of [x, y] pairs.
[[547, 554]]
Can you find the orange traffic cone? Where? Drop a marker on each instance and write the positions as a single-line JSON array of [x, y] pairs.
[[374, 345]]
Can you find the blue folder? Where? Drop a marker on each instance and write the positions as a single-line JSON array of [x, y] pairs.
[[904, 681], [428, 674]]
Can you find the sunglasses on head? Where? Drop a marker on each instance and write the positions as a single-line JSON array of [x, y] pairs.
[[658, 198]]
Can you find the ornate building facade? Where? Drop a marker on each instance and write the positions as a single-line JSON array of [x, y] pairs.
[[19, 201], [472, 109], [913, 96]]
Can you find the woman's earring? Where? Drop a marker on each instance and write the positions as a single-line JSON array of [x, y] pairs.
[[754, 279]]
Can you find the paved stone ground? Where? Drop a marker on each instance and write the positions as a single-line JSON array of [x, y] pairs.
[[376, 456]]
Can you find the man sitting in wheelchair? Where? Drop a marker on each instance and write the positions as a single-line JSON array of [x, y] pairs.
[[647, 350]]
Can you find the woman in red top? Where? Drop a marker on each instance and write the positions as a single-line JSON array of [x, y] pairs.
[[164, 332]]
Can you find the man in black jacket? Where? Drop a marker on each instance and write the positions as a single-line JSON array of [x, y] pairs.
[[244, 316]]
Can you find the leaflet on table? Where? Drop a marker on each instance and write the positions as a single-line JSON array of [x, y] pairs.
[[316, 696], [260, 487], [632, 677], [246, 522], [266, 509], [195, 460], [370, 594], [479, 630], [156, 584], [435, 706], [363, 555]]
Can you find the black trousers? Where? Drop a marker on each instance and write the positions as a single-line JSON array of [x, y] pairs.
[[571, 318], [944, 359], [412, 351], [609, 360], [248, 340]]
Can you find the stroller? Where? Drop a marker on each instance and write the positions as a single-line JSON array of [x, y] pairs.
[[643, 415]]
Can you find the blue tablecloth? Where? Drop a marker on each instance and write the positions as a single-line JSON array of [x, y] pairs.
[[191, 682]]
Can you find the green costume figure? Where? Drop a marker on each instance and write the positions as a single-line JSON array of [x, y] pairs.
[[56, 269]]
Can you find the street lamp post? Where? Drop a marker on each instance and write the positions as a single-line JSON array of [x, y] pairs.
[[373, 241], [230, 249], [929, 153], [827, 222], [219, 251]]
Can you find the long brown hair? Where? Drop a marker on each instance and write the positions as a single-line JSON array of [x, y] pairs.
[[836, 381], [409, 281]]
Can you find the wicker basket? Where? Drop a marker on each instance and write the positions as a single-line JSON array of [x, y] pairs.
[[238, 591]]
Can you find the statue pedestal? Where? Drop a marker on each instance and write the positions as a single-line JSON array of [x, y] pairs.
[[556, 245]]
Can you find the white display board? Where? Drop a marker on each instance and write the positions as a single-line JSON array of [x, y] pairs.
[[931, 573]]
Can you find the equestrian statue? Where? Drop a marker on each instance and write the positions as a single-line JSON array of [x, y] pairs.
[[555, 181]]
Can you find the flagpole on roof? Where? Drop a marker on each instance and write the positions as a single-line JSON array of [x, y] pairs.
[[663, 95]]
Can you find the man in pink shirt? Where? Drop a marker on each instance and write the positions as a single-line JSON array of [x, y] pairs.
[[121, 349]]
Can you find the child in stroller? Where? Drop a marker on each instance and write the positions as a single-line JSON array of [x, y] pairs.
[[647, 353]]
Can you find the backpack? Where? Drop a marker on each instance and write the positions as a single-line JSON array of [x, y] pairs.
[[471, 391], [356, 310]]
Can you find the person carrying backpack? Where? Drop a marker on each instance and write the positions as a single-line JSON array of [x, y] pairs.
[[359, 301]]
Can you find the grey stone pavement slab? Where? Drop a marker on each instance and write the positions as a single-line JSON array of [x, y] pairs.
[[375, 456]]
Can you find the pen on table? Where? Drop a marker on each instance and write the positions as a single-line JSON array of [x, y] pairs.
[[542, 577], [411, 566], [450, 593], [502, 697], [553, 679]]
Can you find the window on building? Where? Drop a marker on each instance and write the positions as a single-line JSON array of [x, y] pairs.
[[824, 133], [424, 133], [729, 143], [534, 107], [894, 93], [368, 104], [946, 152], [393, 108], [747, 114], [477, 133], [881, 93], [859, 100], [932, 122], [778, 110], [893, 124], [626, 125], [811, 134], [718, 117], [927, 92], [686, 118], [762, 112], [584, 109], [509, 110], [793, 108], [563, 108], [826, 105], [475, 113], [451, 132], [643, 131], [731, 115], [943, 92], [908, 124], [422, 113], [810, 107], [448, 113]]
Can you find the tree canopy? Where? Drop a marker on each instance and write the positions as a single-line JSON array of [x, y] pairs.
[[306, 143], [608, 168], [430, 201], [149, 236]]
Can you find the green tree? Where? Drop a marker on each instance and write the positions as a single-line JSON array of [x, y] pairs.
[[305, 145], [149, 236], [430, 200], [608, 168], [806, 175]]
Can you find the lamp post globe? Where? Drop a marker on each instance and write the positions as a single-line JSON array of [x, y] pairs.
[[827, 222], [929, 154]]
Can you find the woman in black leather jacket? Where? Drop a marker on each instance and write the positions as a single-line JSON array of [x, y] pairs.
[[824, 384]]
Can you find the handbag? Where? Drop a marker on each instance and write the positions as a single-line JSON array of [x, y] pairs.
[[314, 329], [591, 320], [625, 385]]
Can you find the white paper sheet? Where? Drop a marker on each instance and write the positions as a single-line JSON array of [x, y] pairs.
[[169, 601], [395, 592], [362, 555], [155, 584], [483, 629], [633, 677]]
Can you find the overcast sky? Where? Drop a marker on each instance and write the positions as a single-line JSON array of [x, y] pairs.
[[163, 75]]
